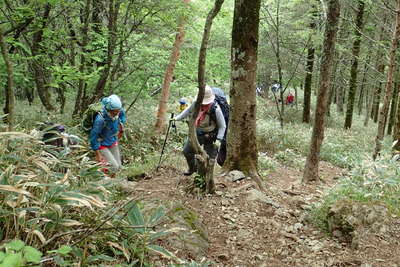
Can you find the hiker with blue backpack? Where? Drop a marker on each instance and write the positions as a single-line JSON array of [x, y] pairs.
[[107, 128], [210, 126]]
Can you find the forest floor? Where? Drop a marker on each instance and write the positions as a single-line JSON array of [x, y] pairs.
[[246, 227]]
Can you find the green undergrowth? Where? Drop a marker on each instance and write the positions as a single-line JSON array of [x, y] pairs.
[[371, 182], [343, 148]]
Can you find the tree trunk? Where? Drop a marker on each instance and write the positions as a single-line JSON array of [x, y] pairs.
[[113, 8], [309, 70], [393, 107], [82, 64], [396, 132], [39, 72], [307, 85], [380, 67], [9, 92], [392, 64], [311, 166], [169, 72], [363, 93], [207, 164], [242, 146], [354, 66]]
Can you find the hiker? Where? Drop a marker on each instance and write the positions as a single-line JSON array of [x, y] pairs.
[[290, 99], [107, 128], [54, 135], [182, 104], [208, 130], [275, 87]]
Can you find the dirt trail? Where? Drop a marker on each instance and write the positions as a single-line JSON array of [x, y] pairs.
[[245, 227]]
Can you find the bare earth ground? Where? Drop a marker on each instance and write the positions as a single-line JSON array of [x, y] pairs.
[[245, 227]]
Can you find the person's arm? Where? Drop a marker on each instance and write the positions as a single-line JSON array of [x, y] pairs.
[[220, 123], [185, 113]]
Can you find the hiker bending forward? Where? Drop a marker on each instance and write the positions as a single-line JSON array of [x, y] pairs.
[[210, 128], [107, 128]]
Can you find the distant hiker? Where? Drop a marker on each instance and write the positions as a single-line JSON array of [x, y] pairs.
[[290, 99], [182, 104], [107, 128], [210, 128], [275, 87]]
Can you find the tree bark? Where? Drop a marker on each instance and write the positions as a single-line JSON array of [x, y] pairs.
[[242, 146], [82, 65], [169, 72], [309, 71], [363, 92], [312, 162], [113, 10], [392, 65], [9, 92], [380, 67], [204, 160], [393, 107], [354, 66], [39, 71]]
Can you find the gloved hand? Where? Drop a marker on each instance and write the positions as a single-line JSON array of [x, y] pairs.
[[218, 144]]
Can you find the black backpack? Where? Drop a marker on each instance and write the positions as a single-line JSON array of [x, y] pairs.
[[222, 102], [51, 133]]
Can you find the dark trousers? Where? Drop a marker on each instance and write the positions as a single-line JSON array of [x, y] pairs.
[[208, 145]]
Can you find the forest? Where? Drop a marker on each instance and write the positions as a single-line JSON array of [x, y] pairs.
[[199, 133]]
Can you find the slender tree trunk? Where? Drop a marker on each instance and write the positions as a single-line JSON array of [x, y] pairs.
[[113, 8], [207, 164], [380, 67], [82, 64], [39, 72], [392, 65], [311, 166], [309, 71], [307, 85], [363, 93], [393, 107], [169, 72], [242, 146], [9, 92], [396, 131], [354, 66]]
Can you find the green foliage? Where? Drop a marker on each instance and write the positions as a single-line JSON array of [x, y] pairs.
[[370, 182], [15, 254]]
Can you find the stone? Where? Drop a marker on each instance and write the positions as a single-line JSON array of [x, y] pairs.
[[256, 195], [234, 176]]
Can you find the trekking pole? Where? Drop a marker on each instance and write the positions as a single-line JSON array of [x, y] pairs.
[[165, 141]]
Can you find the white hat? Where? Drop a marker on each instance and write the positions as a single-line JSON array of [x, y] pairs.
[[208, 96]]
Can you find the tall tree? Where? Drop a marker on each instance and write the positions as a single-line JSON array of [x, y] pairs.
[[39, 72], [389, 88], [169, 72], [9, 92], [309, 69], [354, 66], [113, 11], [393, 108], [242, 146], [311, 166]]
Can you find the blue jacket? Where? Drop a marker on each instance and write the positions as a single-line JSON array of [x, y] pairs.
[[105, 130]]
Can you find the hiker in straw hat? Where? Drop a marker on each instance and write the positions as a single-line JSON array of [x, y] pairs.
[[208, 130]]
